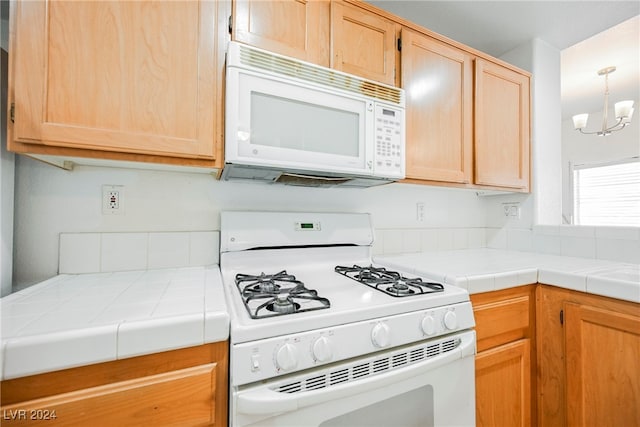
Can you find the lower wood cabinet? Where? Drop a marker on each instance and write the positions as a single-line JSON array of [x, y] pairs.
[[185, 387], [505, 363], [589, 365], [503, 385]]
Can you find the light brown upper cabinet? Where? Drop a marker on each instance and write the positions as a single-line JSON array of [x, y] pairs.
[[363, 43], [296, 28], [463, 129], [502, 123], [438, 81], [142, 78]]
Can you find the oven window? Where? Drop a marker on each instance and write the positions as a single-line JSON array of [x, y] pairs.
[[411, 409], [295, 125]]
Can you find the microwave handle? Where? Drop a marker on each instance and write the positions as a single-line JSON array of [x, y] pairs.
[[263, 400]]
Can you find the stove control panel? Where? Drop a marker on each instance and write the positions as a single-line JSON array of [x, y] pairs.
[[272, 357]]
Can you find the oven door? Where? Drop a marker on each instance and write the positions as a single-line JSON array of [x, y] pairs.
[[425, 384]]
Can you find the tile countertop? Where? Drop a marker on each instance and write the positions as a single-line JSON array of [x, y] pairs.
[[80, 319], [483, 270]]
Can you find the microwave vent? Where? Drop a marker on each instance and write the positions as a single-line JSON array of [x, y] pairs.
[[318, 75]]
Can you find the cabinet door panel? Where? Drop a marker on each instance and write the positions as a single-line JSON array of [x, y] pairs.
[[362, 43], [136, 77], [438, 82], [502, 127], [184, 397], [603, 367], [503, 388], [296, 28]]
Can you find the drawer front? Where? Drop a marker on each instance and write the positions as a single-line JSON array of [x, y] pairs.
[[501, 320], [183, 397]]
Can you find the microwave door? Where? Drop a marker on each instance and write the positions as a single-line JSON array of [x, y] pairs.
[[300, 127]]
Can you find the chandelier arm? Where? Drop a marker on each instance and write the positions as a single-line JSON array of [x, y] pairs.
[[616, 127], [588, 133]]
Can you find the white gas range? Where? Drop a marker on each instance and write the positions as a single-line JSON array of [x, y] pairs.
[[322, 336]]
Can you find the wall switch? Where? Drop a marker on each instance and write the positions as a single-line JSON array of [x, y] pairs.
[[112, 199], [420, 212]]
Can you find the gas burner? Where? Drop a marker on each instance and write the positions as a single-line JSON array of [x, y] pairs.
[[268, 295], [401, 288], [390, 282], [283, 304], [264, 283]]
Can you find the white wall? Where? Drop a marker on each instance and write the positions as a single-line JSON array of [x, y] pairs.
[[50, 201], [579, 148], [6, 188]]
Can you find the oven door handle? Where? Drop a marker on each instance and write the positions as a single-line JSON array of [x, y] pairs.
[[264, 400]]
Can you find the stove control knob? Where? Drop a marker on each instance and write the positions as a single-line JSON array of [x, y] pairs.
[[286, 357], [381, 335], [322, 350], [429, 325], [450, 320]]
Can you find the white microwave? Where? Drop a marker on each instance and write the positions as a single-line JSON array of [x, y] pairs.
[[292, 122]]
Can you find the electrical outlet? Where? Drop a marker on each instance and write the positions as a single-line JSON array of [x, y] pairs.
[[420, 212], [112, 199], [511, 210]]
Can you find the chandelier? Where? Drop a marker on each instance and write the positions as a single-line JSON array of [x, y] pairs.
[[623, 111]]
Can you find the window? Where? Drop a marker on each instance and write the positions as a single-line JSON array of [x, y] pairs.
[[607, 194]]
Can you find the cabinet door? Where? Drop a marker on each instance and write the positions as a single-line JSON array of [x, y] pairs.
[[362, 43], [133, 77], [296, 28], [502, 127], [603, 367], [503, 385], [437, 79]]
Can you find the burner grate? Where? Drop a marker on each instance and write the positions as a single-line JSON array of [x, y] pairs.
[[268, 295], [390, 282]]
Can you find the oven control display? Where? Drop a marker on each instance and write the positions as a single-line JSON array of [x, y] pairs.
[[307, 226]]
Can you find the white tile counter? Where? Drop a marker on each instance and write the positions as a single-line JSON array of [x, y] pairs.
[[482, 270], [79, 319]]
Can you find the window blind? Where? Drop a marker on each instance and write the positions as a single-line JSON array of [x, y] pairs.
[[607, 194]]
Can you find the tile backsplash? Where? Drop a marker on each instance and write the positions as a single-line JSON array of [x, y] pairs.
[[107, 252], [620, 244], [393, 241]]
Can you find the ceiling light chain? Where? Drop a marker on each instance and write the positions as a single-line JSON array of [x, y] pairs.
[[623, 111]]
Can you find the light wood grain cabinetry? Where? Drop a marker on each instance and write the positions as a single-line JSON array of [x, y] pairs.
[[185, 387], [465, 129], [589, 365], [295, 28], [501, 127], [345, 36], [505, 363], [438, 81], [133, 80], [363, 43]]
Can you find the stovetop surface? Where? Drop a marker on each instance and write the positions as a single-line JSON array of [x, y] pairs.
[[349, 301]]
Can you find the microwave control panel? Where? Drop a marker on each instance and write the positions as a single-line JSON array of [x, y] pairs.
[[389, 146]]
